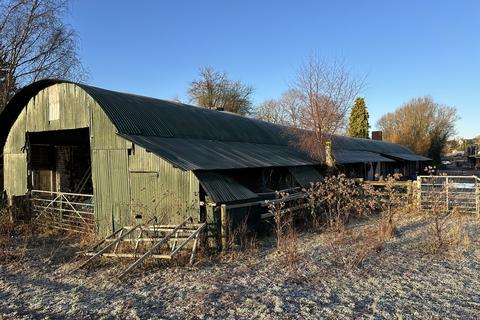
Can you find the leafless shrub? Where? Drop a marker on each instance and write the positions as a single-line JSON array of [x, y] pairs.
[[241, 239], [6, 232], [14, 239], [338, 198], [287, 238], [447, 234], [392, 202], [351, 247], [457, 237]]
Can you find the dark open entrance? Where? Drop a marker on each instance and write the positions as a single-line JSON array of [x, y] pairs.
[[60, 178], [60, 161]]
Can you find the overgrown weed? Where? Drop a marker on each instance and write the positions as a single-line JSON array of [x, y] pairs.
[[286, 233]]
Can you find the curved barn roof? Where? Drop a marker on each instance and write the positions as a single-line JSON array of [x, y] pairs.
[[196, 138], [347, 150]]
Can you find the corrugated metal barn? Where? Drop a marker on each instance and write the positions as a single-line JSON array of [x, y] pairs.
[[139, 157], [368, 159]]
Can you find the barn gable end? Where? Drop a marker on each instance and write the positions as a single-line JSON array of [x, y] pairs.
[[116, 163]]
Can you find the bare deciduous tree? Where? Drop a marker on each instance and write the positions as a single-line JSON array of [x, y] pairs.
[[326, 93], [290, 101], [271, 111], [35, 43], [285, 111], [213, 90], [422, 125]]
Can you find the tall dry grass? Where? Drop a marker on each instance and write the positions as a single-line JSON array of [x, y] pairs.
[[241, 237], [337, 200], [286, 232], [6, 232], [447, 227]]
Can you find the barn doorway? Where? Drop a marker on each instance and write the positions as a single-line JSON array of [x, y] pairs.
[[60, 178], [60, 161]]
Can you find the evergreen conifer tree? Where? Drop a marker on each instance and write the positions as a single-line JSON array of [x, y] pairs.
[[358, 123]]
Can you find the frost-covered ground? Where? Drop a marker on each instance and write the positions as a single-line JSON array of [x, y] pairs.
[[400, 281]]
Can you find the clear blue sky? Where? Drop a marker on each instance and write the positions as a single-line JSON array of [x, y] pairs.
[[405, 48]]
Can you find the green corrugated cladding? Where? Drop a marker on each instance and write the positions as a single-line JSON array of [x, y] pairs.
[[176, 191], [124, 185], [15, 159]]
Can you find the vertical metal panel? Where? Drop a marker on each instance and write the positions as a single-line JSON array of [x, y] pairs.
[[15, 160], [104, 132], [15, 174], [143, 191], [111, 189], [176, 192], [73, 108], [109, 173], [16, 137]]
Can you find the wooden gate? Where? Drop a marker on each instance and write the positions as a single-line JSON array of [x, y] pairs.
[[449, 193]]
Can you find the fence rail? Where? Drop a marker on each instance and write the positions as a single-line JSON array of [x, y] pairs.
[[460, 193], [63, 210]]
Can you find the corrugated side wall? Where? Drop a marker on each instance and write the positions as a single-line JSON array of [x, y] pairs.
[[114, 168], [158, 188], [109, 173], [15, 159]]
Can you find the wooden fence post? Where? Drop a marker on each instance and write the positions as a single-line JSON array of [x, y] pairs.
[[477, 198], [224, 220], [418, 200], [447, 200]]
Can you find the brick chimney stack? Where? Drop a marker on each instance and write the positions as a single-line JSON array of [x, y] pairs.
[[377, 135]]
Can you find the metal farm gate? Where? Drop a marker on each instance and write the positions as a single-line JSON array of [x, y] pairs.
[[63, 210], [448, 193]]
